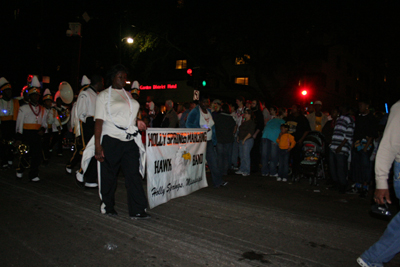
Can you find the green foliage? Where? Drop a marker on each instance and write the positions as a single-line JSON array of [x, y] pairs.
[[146, 41]]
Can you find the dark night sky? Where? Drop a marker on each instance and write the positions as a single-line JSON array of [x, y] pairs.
[[34, 40]]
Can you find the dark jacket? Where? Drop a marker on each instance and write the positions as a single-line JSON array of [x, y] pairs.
[[224, 127]]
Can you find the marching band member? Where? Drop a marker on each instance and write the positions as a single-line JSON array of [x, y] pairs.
[[85, 109], [53, 123], [135, 92], [8, 116], [63, 115], [117, 144], [76, 130], [24, 99], [31, 125]]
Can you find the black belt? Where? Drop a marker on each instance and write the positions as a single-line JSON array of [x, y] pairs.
[[128, 135]]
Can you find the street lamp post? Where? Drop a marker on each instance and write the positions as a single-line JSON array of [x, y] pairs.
[[74, 32]]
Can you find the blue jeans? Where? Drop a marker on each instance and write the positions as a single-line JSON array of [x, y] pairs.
[[360, 165], [388, 245], [338, 167], [244, 152], [283, 163], [224, 153], [269, 153], [211, 157]]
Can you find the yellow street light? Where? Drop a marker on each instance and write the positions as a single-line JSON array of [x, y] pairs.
[[129, 40]]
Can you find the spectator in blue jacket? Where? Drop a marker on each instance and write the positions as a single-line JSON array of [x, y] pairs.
[[200, 117]]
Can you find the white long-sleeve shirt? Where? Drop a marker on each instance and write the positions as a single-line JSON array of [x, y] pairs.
[[52, 120], [86, 104], [389, 148], [115, 106], [28, 120], [75, 125], [8, 110]]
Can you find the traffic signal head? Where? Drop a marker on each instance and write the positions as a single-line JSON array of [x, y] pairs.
[[304, 92], [204, 83], [189, 72]]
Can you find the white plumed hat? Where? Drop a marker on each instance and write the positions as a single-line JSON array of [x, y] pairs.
[[85, 80], [47, 95]]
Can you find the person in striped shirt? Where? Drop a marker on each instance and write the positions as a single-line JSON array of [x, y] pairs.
[[340, 148]]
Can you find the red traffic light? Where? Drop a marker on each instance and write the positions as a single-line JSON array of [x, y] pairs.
[[304, 92], [189, 71]]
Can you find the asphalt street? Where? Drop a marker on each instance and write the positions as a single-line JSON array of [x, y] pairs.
[[254, 221]]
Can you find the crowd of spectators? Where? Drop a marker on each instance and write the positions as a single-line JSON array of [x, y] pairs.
[[268, 141]]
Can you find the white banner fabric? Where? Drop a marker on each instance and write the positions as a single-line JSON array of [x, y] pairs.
[[175, 163]]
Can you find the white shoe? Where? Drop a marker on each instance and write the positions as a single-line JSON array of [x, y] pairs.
[[103, 208], [79, 176], [363, 263], [239, 172], [10, 163], [36, 179], [19, 174], [245, 174], [274, 175], [264, 174], [69, 170], [284, 180], [92, 185], [278, 179]]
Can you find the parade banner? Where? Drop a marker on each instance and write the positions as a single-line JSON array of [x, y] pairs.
[[175, 163]]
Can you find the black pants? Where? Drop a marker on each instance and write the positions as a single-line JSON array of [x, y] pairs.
[[77, 156], [295, 155], [7, 129], [46, 144], [125, 155], [57, 140], [255, 154], [34, 141], [87, 129]]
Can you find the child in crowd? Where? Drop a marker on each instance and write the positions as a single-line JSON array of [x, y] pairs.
[[286, 143]]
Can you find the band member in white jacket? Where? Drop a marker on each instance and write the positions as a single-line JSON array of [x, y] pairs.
[[8, 115], [85, 110], [117, 144], [53, 123], [31, 125]]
